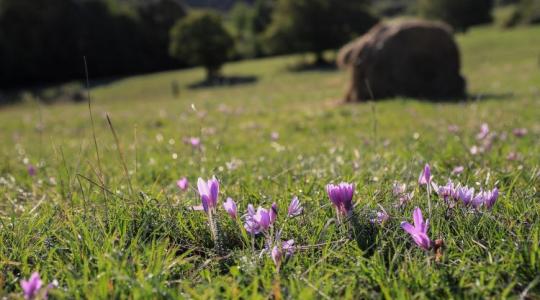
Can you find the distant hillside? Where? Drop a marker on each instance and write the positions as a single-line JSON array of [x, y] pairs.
[[215, 4]]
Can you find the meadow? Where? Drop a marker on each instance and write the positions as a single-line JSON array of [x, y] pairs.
[[100, 212]]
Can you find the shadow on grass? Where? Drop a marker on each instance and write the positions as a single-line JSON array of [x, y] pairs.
[[224, 81], [74, 91], [304, 66], [363, 232], [448, 100]]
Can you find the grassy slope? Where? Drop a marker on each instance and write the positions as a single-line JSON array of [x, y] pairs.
[[100, 245]]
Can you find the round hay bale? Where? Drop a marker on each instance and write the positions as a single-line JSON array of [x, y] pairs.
[[410, 58]]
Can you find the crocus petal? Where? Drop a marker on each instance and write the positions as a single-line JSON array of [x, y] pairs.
[[202, 187], [425, 176], [294, 208], [262, 217], [418, 218], [276, 255], [478, 200], [31, 286], [288, 247], [422, 240], [214, 191], [205, 202], [492, 198], [408, 228], [250, 210], [230, 207], [425, 227], [182, 184]]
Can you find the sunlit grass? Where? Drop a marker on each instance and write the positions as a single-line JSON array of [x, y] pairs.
[[77, 221]]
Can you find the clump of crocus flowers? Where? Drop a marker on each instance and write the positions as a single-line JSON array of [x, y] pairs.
[[399, 190], [262, 221], [457, 193], [284, 250]]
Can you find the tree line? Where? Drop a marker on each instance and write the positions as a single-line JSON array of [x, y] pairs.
[[43, 41]]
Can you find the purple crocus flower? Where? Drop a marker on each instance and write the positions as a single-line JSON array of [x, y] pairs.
[[195, 142], [486, 198], [513, 156], [398, 188], [277, 255], [453, 128], [458, 170], [183, 183], [32, 170], [484, 131], [32, 286], [288, 247], [520, 132], [447, 192], [425, 176], [419, 231], [295, 208], [209, 193], [491, 198], [262, 218], [251, 226], [382, 217], [341, 196], [230, 207], [465, 194]]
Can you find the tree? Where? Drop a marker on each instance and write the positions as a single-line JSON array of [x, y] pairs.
[[201, 39], [262, 15], [247, 22], [527, 12], [460, 14], [43, 41], [156, 18], [316, 25]]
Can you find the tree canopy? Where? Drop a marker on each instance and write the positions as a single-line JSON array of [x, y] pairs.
[[460, 14], [201, 39], [45, 40], [316, 25]]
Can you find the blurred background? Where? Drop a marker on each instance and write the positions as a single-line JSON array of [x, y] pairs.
[[43, 42]]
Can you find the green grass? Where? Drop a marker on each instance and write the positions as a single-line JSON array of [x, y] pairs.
[[114, 243]]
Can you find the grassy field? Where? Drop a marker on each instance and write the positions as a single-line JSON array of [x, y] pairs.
[[112, 223]]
